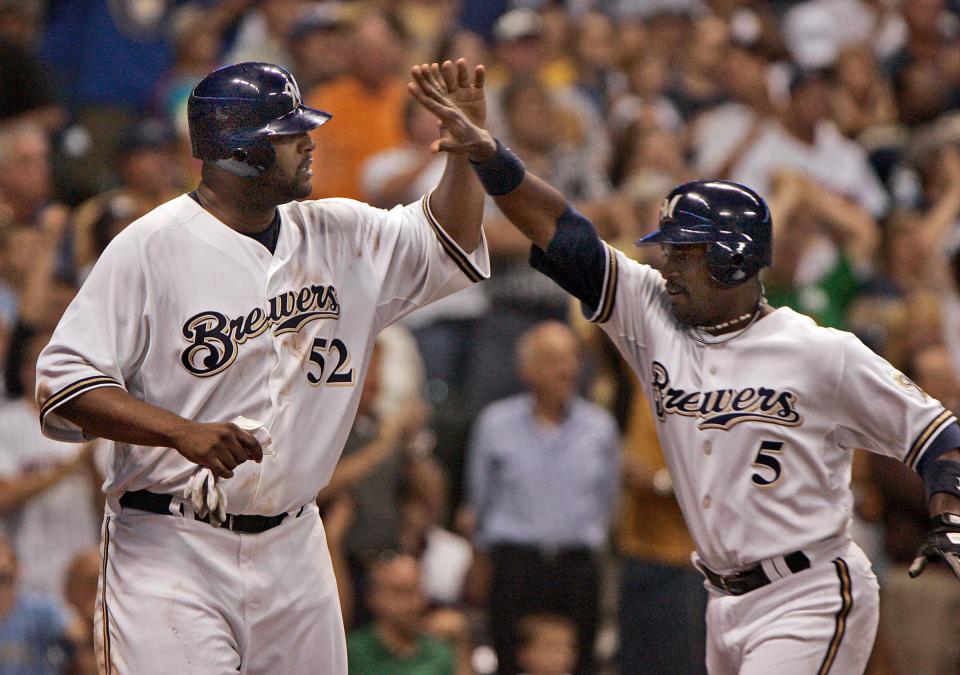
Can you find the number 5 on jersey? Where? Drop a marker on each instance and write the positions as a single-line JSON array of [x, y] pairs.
[[767, 460], [340, 375]]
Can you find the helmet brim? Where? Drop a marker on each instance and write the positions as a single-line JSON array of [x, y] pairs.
[[680, 235], [299, 120]]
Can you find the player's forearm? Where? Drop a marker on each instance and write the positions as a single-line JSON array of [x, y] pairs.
[[457, 203], [112, 413], [528, 202]]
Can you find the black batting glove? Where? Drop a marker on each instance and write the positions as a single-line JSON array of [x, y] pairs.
[[942, 543]]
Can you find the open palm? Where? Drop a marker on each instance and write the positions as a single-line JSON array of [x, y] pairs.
[[460, 104]]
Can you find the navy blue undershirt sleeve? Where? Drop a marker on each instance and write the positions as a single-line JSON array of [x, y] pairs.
[[947, 440], [575, 258]]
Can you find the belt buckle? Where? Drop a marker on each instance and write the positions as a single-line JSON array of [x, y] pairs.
[[228, 523]]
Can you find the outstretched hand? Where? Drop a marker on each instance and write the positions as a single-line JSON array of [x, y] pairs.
[[458, 103]]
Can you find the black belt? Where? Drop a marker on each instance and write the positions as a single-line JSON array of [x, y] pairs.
[[752, 578], [143, 500]]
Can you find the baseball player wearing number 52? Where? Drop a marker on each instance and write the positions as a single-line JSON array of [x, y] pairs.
[[758, 412], [236, 302]]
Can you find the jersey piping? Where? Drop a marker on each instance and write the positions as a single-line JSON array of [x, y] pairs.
[[451, 247], [609, 294], [846, 604], [926, 437], [75, 389]]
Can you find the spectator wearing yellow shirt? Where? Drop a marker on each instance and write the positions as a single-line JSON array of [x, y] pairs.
[[662, 599]]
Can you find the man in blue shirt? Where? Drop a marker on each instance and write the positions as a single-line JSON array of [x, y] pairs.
[[543, 470]]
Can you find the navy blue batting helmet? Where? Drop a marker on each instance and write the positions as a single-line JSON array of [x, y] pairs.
[[731, 219], [235, 109]]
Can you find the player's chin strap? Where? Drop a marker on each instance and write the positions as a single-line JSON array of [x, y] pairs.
[[942, 542]]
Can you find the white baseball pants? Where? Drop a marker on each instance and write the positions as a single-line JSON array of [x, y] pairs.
[[179, 596], [818, 621]]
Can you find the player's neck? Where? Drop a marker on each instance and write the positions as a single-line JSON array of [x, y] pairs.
[[234, 210]]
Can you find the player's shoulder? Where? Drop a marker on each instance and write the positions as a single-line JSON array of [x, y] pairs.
[[176, 212], [803, 329]]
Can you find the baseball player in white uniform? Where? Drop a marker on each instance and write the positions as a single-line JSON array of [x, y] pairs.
[[758, 412], [236, 303]]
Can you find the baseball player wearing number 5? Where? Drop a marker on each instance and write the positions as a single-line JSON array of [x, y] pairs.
[[758, 412], [236, 302]]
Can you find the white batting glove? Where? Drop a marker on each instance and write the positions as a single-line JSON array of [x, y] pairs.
[[205, 492]]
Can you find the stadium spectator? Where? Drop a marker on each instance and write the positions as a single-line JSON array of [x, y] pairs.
[[26, 177], [909, 609], [805, 140], [547, 645], [318, 44], [542, 473], [377, 465], [397, 641], [36, 635], [81, 596], [49, 490], [367, 103], [262, 33], [148, 178], [662, 601]]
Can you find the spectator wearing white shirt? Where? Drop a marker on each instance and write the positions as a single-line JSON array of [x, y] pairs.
[[806, 141], [49, 501]]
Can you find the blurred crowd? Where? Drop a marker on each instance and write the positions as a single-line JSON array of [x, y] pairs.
[[502, 503]]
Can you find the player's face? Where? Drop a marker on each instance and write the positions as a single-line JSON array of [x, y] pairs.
[[697, 299], [289, 176]]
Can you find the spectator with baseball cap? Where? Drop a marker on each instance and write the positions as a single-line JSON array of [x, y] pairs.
[[148, 178], [318, 44]]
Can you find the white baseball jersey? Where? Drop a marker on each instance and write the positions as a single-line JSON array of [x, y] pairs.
[[189, 315], [757, 429]]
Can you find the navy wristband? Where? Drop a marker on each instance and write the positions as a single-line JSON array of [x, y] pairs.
[[942, 475], [500, 173]]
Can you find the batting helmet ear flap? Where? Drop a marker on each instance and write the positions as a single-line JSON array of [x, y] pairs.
[[250, 160]]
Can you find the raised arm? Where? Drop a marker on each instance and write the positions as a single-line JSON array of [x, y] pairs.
[[449, 93], [530, 204]]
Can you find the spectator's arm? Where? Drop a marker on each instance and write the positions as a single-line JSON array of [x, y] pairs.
[[851, 226], [393, 432], [16, 490], [944, 212], [336, 522], [741, 149], [33, 302]]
